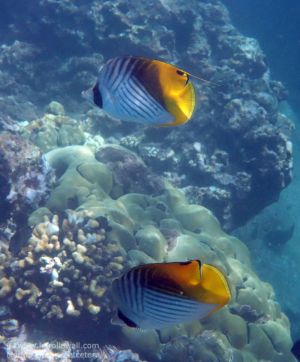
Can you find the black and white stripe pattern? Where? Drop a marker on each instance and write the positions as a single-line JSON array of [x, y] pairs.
[[125, 97], [118, 70], [130, 290], [155, 308]]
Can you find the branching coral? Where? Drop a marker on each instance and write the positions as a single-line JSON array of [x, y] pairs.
[[66, 268]]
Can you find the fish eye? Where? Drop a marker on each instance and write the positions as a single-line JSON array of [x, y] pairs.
[[180, 72]]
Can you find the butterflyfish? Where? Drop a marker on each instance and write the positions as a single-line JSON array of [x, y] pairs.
[[142, 90], [153, 296]]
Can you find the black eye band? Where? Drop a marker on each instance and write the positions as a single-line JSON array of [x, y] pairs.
[[187, 79], [180, 72]]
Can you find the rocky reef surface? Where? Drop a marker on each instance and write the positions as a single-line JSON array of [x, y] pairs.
[[234, 156], [99, 219], [25, 181]]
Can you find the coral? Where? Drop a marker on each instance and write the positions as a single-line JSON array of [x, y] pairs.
[[80, 176], [54, 129], [130, 172], [25, 180], [55, 108], [66, 268], [9, 327], [17, 61], [23, 174], [64, 272]]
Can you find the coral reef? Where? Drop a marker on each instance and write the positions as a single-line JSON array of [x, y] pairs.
[[9, 327], [25, 180], [130, 172], [54, 129], [64, 271], [23, 174], [235, 143], [66, 268]]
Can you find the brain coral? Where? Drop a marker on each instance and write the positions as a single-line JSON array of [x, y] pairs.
[[65, 269]]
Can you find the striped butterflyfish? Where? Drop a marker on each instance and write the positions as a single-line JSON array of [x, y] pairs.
[[153, 296], [143, 90]]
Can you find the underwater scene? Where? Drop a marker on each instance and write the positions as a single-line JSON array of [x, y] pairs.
[[149, 181]]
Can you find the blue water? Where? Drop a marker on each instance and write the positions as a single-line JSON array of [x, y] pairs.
[[275, 24]]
